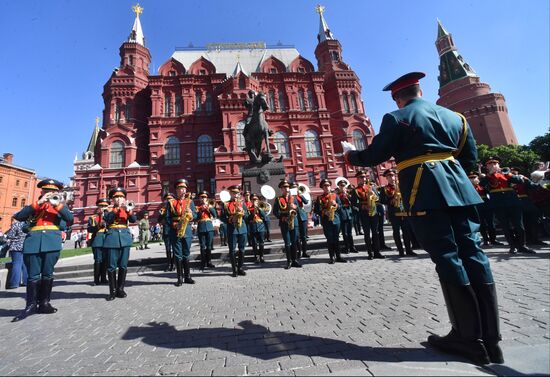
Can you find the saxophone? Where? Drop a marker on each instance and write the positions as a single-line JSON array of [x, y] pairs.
[[291, 217], [331, 209], [184, 218], [239, 213], [372, 199]]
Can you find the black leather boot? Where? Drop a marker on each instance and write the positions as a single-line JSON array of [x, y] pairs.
[[103, 272], [209, 259], [288, 258], [465, 336], [261, 253], [240, 269], [31, 301], [255, 252], [339, 258], [399, 246], [187, 272], [330, 253], [44, 306], [111, 276], [97, 273], [293, 256], [304, 248], [233, 265], [520, 245], [203, 260], [179, 273], [352, 248], [488, 309], [121, 283]]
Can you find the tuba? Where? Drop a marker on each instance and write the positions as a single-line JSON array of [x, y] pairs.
[[185, 218]]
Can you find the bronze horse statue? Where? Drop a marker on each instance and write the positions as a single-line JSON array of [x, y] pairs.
[[256, 130]]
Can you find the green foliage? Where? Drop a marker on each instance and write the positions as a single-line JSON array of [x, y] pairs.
[[518, 156], [541, 146]]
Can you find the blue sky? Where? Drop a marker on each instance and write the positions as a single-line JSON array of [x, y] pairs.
[[57, 55]]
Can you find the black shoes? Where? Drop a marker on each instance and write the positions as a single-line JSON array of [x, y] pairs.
[[473, 350], [44, 306]]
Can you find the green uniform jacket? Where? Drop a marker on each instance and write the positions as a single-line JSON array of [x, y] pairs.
[[40, 241], [416, 129], [116, 238], [98, 238], [206, 225], [231, 228], [170, 215]]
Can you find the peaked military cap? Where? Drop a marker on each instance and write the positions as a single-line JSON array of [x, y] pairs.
[[389, 171], [203, 194], [50, 184], [360, 173], [234, 188], [492, 159], [293, 185], [284, 183], [116, 192], [324, 181], [473, 174], [102, 202], [168, 195], [255, 196], [181, 183], [409, 79]]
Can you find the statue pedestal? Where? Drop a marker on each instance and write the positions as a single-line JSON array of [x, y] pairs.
[[257, 175]]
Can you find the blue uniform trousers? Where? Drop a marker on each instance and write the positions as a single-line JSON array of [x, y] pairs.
[[100, 254], [399, 225], [451, 238], [205, 242], [18, 270], [302, 230], [331, 231], [40, 265], [511, 215], [345, 225], [181, 247], [289, 236], [118, 257], [257, 239], [370, 225], [236, 240]]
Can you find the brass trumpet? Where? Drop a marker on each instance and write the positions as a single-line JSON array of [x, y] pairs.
[[130, 205]]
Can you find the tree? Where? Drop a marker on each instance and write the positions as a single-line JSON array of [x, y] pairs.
[[513, 156], [541, 146]]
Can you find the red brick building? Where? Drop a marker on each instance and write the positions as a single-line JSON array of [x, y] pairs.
[[186, 120], [17, 189], [461, 90]]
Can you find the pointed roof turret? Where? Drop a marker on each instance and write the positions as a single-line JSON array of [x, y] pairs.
[[136, 35], [94, 138], [239, 68], [324, 32], [441, 32]]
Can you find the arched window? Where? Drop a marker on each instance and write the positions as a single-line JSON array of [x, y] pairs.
[[240, 137], [205, 151], [313, 147], [271, 100], [280, 139], [301, 100], [353, 103], [345, 101], [117, 155], [198, 101], [208, 103], [311, 100], [172, 151], [359, 140], [117, 112], [282, 104]]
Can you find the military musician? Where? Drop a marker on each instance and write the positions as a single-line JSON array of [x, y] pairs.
[[42, 245], [285, 209], [302, 221], [365, 199], [346, 216], [328, 206], [205, 229], [181, 213], [256, 221], [96, 230], [166, 226], [234, 213], [118, 241]]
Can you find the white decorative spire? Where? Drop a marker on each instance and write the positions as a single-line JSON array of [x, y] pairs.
[[324, 31], [136, 35], [239, 68]]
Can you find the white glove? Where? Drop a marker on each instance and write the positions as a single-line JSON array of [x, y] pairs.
[[347, 147]]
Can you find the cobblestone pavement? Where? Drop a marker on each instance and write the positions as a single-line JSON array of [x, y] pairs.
[[360, 318]]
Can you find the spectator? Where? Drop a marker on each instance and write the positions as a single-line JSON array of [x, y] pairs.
[[144, 233], [15, 238], [78, 240]]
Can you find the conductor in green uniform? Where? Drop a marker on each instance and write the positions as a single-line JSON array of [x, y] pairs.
[[433, 148], [42, 245]]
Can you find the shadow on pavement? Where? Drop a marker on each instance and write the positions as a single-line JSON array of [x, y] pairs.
[[257, 341]]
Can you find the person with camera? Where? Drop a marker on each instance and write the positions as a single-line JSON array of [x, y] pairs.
[[42, 245], [118, 241], [97, 228]]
